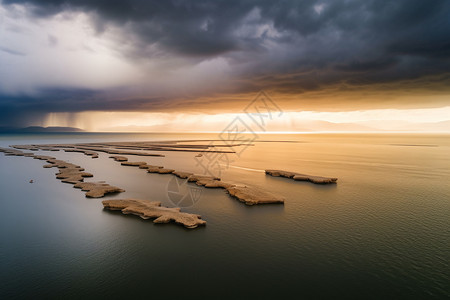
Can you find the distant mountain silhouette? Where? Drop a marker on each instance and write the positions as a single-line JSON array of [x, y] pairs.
[[32, 129]]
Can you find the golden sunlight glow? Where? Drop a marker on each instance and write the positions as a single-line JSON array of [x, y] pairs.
[[364, 120]]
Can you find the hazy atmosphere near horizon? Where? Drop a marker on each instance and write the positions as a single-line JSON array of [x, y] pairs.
[[171, 65], [296, 149]]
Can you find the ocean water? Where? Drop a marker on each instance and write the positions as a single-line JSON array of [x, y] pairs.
[[382, 232]]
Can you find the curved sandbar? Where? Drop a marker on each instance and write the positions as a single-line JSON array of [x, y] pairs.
[[70, 173], [301, 177], [153, 210], [248, 195]]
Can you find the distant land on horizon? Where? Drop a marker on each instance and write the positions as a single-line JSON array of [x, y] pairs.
[[313, 126], [32, 129]]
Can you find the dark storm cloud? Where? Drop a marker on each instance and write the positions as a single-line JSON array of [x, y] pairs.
[[204, 28], [26, 110], [285, 46]]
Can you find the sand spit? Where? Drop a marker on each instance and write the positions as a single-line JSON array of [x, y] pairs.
[[13, 152], [139, 148], [153, 210], [70, 173], [119, 158], [153, 169], [248, 195], [301, 177], [133, 163], [165, 171], [181, 174], [133, 148], [158, 169], [252, 195], [245, 194], [85, 152], [43, 157], [97, 189], [167, 146], [73, 174]]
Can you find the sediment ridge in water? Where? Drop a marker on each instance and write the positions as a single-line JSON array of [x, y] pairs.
[[301, 177], [153, 210], [70, 173], [245, 194]]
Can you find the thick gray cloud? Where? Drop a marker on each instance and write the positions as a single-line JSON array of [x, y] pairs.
[[291, 47]]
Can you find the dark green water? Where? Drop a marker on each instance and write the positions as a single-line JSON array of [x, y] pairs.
[[383, 232]]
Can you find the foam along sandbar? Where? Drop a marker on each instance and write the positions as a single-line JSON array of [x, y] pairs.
[[153, 210], [97, 189], [253, 195], [301, 177]]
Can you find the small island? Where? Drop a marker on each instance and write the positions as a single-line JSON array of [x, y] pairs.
[[301, 177], [153, 210]]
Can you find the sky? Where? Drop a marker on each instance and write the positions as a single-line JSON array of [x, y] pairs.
[[196, 65]]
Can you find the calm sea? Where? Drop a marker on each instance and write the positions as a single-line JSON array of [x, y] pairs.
[[382, 232]]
